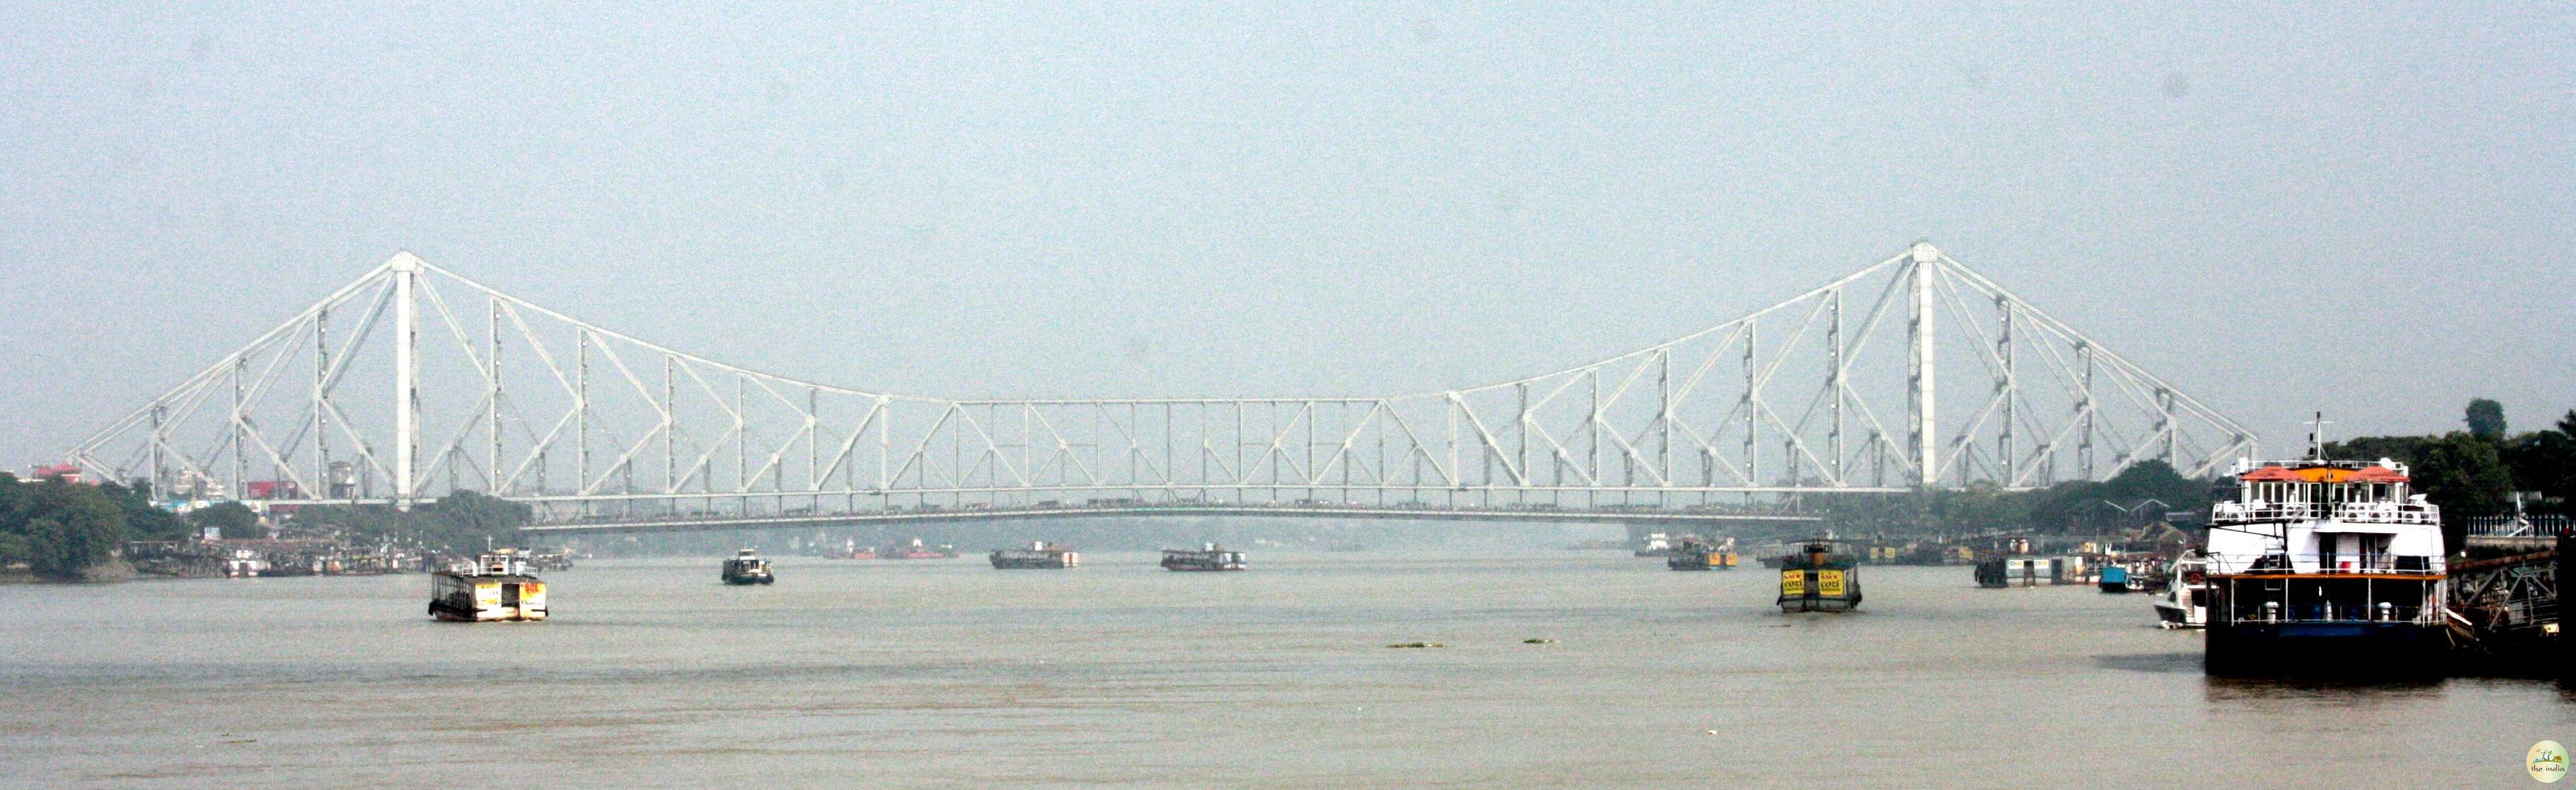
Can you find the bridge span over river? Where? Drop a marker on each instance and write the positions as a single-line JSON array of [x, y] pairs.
[[414, 380]]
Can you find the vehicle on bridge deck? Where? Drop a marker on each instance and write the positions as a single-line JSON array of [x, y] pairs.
[[495, 587], [2326, 568], [1695, 554], [1040, 555], [747, 567], [1821, 576], [1209, 557]]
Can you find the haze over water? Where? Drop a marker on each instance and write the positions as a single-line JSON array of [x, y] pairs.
[[949, 673]]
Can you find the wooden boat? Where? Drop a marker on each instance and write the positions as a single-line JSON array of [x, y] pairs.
[[747, 567], [1822, 576]]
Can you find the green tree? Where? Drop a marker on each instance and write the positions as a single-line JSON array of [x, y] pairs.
[[232, 520], [75, 527], [2402, 449], [2466, 477], [143, 519], [1980, 506], [2070, 507], [2486, 420], [2155, 479]]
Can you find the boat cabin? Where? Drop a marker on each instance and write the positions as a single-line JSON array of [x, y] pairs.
[[494, 587], [2325, 517]]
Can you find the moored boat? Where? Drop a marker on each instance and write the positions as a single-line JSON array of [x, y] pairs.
[[1040, 555], [1821, 576], [747, 567], [2114, 578], [2326, 568], [495, 587], [1209, 557], [2185, 602]]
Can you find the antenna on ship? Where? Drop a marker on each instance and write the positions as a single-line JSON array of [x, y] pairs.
[[2317, 437]]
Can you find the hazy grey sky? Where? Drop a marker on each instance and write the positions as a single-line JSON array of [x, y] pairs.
[[2364, 209]]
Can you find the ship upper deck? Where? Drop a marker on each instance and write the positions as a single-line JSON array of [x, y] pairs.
[[2350, 492]]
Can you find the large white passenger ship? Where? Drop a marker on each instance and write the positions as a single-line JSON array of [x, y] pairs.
[[2323, 568]]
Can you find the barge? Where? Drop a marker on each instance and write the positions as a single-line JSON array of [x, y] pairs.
[[2326, 569], [1693, 554], [747, 567], [1040, 555], [495, 587], [1209, 557], [1821, 576], [915, 551]]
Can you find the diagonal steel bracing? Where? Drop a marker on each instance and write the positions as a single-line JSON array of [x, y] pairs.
[[1832, 390]]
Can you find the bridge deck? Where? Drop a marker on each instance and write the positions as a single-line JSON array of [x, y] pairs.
[[686, 523]]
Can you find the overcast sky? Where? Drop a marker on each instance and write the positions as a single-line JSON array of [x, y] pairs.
[[2365, 210]]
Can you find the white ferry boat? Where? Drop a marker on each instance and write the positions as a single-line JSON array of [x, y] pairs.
[[2324, 568], [495, 587]]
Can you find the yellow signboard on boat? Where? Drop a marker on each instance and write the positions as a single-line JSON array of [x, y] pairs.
[[1829, 584], [1793, 582]]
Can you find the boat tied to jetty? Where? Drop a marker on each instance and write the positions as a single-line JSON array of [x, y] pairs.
[[2185, 602], [2326, 568], [1821, 576], [495, 587], [1209, 557], [1040, 555], [747, 567]]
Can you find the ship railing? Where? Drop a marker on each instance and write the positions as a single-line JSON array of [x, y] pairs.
[[2358, 512], [2366, 564], [2261, 611], [2388, 513], [2267, 511]]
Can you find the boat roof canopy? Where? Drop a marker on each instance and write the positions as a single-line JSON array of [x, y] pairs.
[[2323, 474]]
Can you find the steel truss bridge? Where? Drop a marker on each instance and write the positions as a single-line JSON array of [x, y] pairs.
[[415, 380]]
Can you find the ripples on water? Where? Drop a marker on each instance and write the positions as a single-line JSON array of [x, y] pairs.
[[890, 673]]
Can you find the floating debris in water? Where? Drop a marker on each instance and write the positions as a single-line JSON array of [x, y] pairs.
[[1538, 641], [1417, 644]]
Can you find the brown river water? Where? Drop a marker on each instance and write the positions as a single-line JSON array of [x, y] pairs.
[[949, 673]]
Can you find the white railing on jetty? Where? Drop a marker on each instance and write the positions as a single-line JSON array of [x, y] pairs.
[[2525, 526]]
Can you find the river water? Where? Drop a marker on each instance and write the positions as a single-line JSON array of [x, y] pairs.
[[942, 673]]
